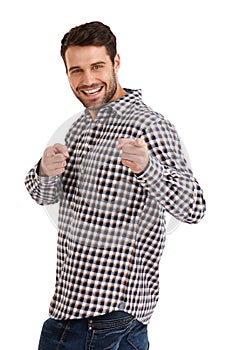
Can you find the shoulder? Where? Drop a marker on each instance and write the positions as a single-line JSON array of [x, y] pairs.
[[153, 123], [146, 116]]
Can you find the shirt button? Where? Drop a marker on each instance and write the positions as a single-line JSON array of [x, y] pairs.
[[143, 182]]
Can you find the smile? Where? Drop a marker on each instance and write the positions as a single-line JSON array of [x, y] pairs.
[[92, 91]]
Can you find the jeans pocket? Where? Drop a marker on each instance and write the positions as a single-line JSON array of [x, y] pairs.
[[52, 334], [108, 333], [138, 336]]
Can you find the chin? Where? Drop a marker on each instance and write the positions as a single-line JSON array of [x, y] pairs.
[[94, 104]]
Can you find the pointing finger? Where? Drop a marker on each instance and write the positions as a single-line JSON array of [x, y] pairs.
[[59, 148]]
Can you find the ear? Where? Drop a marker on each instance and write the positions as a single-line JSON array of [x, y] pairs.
[[117, 62]]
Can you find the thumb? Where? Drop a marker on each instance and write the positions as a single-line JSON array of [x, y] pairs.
[[140, 142]]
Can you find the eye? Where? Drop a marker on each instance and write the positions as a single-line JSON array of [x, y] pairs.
[[76, 71], [97, 66]]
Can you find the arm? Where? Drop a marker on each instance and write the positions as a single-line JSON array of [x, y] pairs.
[[162, 170]]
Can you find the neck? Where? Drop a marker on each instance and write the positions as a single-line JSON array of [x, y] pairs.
[[94, 112], [120, 92]]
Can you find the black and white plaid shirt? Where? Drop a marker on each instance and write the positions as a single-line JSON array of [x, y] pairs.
[[111, 229]]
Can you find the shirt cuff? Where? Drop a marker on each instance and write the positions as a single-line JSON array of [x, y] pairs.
[[48, 180], [152, 173]]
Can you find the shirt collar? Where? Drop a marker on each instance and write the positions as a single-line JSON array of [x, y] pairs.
[[123, 103]]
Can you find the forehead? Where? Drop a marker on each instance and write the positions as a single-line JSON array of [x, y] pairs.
[[85, 55]]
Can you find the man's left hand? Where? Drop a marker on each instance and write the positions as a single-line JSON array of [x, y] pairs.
[[134, 154]]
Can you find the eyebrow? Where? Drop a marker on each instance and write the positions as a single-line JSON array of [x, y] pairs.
[[93, 64]]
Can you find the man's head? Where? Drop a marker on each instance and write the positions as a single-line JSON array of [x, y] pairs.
[[93, 33], [92, 63]]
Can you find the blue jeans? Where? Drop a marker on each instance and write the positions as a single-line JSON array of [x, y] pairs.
[[114, 331]]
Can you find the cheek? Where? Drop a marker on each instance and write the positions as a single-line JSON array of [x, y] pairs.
[[75, 84], [105, 79]]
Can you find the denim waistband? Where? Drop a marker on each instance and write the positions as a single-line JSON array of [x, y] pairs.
[[112, 319], [115, 319]]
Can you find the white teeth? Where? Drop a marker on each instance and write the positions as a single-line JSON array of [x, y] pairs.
[[91, 91]]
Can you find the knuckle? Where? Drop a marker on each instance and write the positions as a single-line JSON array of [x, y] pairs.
[[57, 145]]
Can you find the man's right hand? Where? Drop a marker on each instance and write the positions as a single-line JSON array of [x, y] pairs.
[[53, 161]]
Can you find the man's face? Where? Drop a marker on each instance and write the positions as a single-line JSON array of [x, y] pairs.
[[91, 74]]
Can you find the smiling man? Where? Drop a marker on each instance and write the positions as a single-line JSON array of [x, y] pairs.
[[92, 75], [120, 169]]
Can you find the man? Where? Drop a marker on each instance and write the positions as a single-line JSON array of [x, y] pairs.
[[120, 169]]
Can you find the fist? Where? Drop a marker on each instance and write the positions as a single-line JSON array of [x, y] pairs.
[[134, 154], [53, 161]]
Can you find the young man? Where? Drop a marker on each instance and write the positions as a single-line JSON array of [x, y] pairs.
[[120, 169]]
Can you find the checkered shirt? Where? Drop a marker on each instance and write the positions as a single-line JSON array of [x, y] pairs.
[[111, 229]]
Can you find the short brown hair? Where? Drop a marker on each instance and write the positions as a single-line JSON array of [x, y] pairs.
[[93, 33]]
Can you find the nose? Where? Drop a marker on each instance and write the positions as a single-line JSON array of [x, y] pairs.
[[87, 78]]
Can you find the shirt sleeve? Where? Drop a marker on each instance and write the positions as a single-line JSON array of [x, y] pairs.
[[44, 190], [167, 176]]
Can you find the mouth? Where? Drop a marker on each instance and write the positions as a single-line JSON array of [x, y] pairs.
[[92, 92]]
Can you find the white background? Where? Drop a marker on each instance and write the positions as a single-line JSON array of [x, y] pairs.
[[180, 54]]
